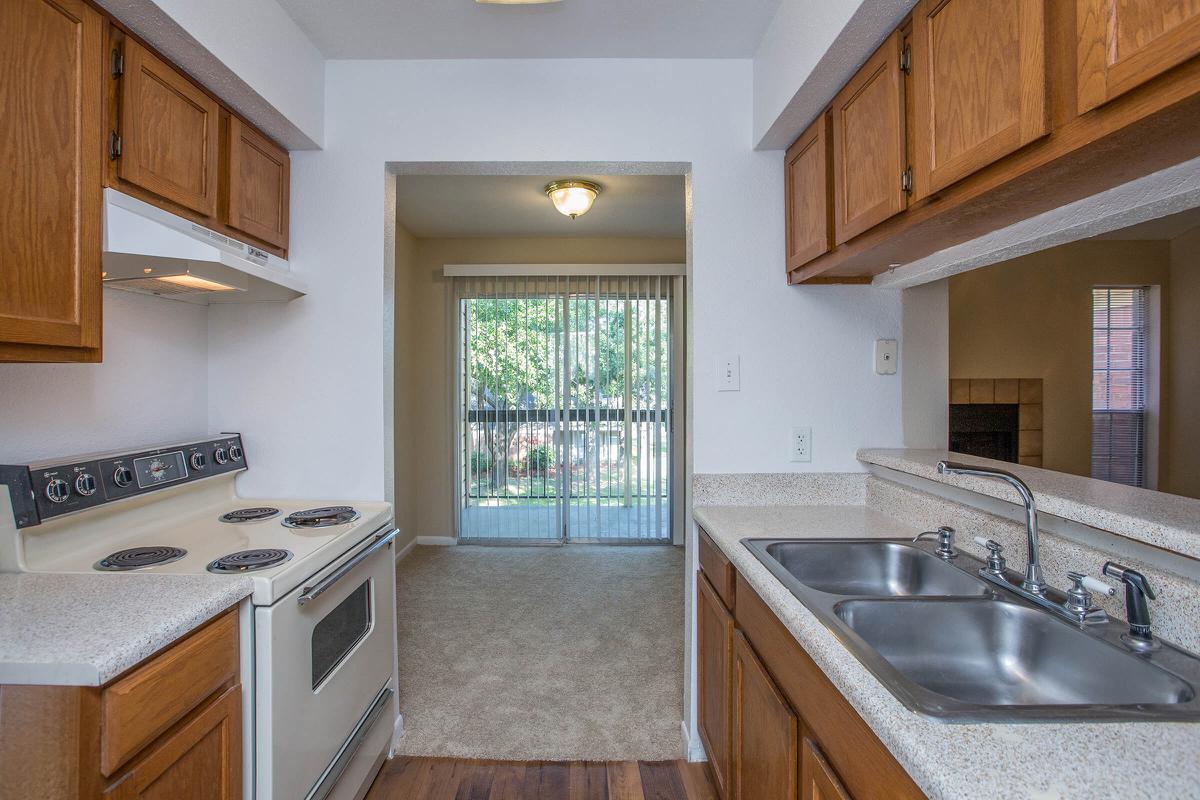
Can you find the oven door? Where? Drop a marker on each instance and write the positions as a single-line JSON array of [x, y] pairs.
[[324, 660]]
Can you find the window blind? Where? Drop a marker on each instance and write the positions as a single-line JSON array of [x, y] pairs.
[[565, 407], [1119, 335]]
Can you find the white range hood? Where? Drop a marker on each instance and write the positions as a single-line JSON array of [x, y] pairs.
[[151, 251]]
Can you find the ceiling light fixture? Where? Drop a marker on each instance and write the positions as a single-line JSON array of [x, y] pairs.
[[574, 197]]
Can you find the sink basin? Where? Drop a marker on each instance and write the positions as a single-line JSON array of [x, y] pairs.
[[952, 646], [872, 569], [996, 653]]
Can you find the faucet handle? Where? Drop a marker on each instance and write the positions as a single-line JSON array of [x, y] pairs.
[[996, 562], [1088, 583]]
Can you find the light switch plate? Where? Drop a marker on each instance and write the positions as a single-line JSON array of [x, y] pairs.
[[886, 353], [729, 373], [800, 443]]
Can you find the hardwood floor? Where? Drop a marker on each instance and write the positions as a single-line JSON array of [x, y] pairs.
[[407, 778]]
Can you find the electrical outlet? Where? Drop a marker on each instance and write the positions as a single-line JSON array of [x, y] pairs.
[[800, 443], [729, 373], [886, 352]]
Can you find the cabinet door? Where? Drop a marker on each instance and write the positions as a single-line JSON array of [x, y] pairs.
[[868, 144], [807, 198], [168, 133], [714, 646], [1124, 43], [765, 740], [258, 181], [201, 760], [817, 779], [979, 85], [51, 108]]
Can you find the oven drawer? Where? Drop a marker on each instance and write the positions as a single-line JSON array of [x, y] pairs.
[[138, 707]]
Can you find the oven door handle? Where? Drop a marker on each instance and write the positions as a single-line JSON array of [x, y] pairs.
[[382, 539]]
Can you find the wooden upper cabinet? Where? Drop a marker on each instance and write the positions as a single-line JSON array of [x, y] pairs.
[[51, 109], [868, 144], [979, 85], [714, 646], [1124, 43], [257, 185], [807, 197], [818, 781], [765, 742], [169, 132]]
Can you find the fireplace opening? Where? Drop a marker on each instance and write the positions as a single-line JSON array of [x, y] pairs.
[[989, 430]]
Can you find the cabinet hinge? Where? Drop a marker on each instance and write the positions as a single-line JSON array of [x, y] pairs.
[[906, 59], [114, 146], [906, 180], [118, 63]]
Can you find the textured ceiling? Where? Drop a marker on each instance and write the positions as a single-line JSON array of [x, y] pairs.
[[452, 206], [567, 29]]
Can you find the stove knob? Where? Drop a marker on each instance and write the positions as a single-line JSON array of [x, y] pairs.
[[123, 476], [220, 456], [199, 461], [235, 452], [85, 484], [58, 491]]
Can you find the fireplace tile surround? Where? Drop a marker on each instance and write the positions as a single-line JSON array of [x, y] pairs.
[[1024, 392]]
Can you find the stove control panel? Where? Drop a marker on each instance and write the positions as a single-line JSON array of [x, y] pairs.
[[51, 489]]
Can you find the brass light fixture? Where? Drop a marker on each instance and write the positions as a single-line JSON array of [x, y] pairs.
[[572, 197]]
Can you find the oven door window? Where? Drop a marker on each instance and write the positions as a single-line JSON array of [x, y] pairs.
[[339, 631]]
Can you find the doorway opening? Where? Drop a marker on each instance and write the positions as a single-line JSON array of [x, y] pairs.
[[565, 389]]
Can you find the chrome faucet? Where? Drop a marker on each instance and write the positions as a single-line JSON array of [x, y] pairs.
[[1033, 583]]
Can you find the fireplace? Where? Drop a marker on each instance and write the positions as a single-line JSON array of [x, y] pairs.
[[998, 418], [989, 430]]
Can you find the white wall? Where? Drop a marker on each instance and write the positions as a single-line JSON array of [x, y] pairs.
[[806, 352], [150, 387]]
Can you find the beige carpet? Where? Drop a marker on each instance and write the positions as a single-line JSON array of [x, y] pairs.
[[559, 653]]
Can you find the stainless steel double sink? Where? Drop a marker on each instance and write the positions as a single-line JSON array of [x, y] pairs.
[[950, 646]]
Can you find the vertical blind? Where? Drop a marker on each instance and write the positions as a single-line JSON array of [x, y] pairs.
[[1119, 335], [565, 407]]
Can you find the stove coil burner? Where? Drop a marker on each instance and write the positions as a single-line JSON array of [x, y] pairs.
[[250, 560], [139, 557], [249, 514], [321, 517]]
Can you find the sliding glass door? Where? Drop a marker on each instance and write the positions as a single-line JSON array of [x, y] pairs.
[[565, 408]]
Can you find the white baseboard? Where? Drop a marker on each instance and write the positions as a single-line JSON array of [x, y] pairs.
[[441, 541], [403, 551], [693, 747]]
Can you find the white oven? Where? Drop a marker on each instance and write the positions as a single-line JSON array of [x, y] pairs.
[[325, 697]]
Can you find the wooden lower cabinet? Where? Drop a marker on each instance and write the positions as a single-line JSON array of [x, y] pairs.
[[714, 631], [765, 731], [200, 761], [792, 735], [171, 727], [818, 780]]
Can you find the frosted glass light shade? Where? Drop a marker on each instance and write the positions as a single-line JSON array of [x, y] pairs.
[[572, 198]]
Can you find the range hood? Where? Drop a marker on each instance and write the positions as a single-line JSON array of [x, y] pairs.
[[151, 251]]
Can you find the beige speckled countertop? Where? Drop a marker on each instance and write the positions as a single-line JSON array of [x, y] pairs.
[[1133, 759], [84, 630]]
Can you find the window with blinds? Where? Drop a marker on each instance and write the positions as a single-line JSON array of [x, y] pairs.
[[565, 407], [1119, 337]]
